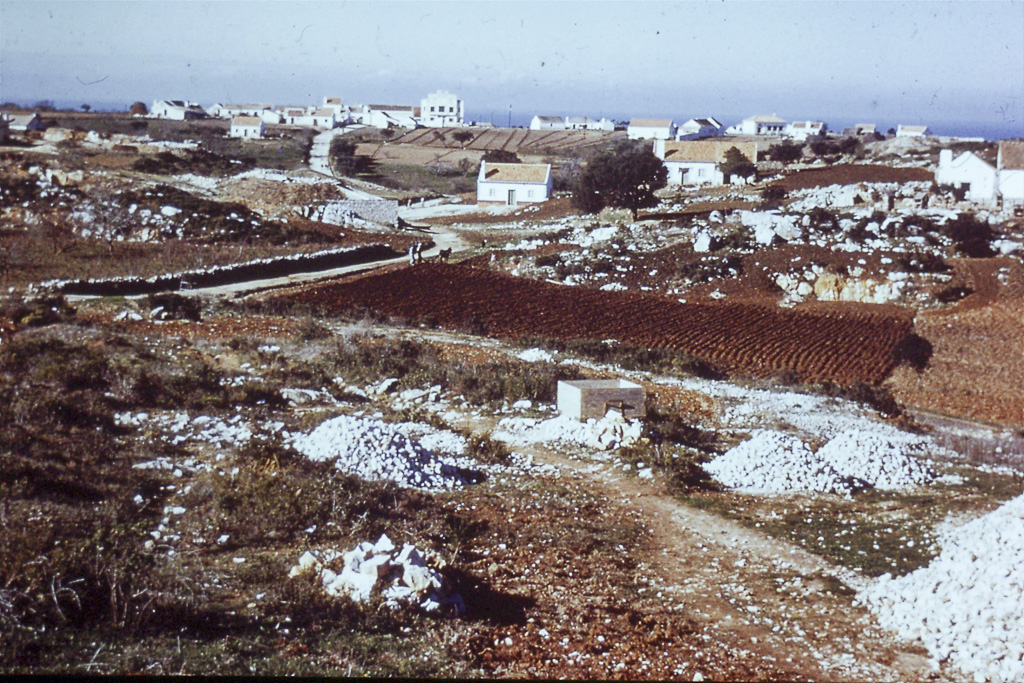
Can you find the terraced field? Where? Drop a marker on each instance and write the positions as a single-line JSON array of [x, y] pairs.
[[516, 140], [843, 343]]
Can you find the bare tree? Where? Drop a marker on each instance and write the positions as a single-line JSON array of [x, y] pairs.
[[57, 229]]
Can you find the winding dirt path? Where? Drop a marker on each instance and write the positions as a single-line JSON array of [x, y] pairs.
[[750, 591], [763, 594]]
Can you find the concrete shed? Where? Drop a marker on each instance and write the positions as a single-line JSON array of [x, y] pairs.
[[586, 398]]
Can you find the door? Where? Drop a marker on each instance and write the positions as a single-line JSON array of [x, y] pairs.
[[511, 197]]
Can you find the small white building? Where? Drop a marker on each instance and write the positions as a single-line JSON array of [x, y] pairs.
[[250, 127], [177, 110], [971, 170], [22, 123], [513, 184], [230, 111], [441, 109], [864, 129], [307, 117], [912, 131], [578, 122], [390, 115], [762, 124], [1010, 166], [801, 130], [695, 129], [651, 129], [583, 399], [547, 123], [695, 162]]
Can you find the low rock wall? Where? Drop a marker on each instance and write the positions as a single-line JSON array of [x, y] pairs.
[[227, 275]]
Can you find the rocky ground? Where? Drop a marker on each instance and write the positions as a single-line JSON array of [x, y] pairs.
[[240, 484]]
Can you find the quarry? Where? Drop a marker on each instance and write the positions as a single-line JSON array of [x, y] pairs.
[[762, 431]]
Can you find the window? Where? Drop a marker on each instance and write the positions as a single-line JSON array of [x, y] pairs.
[[529, 194], [451, 109], [490, 193]]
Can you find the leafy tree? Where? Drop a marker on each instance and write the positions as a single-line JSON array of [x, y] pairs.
[[501, 156], [344, 159], [138, 109], [892, 131], [625, 178], [772, 196], [787, 152], [86, 108], [463, 136], [736, 164], [822, 147], [849, 145], [971, 236]]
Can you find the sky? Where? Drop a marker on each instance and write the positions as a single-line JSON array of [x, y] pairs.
[[887, 62]]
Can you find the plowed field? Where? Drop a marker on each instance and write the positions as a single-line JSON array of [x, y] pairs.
[[851, 174], [845, 344]]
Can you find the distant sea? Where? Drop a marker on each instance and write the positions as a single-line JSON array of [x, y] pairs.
[[990, 129]]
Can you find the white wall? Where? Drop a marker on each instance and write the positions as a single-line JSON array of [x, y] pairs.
[[693, 173], [646, 133], [440, 109], [967, 168], [526, 193], [1011, 185]]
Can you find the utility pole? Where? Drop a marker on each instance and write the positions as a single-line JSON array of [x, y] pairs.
[[510, 116]]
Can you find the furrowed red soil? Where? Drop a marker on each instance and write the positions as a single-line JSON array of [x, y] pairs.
[[842, 343]]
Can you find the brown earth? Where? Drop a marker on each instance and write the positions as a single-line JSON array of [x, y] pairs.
[[976, 369], [842, 343], [851, 174]]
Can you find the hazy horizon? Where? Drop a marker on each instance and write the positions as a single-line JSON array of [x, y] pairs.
[[944, 64]]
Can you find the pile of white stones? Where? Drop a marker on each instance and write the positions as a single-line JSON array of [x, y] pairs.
[[967, 606], [775, 462], [404, 578], [608, 433], [376, 450]]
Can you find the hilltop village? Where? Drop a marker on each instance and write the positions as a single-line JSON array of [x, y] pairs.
[[376, 390]]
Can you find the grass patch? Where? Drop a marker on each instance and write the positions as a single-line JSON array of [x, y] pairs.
[[874, 532]]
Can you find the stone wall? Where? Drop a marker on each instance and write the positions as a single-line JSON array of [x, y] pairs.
[[382, 211]]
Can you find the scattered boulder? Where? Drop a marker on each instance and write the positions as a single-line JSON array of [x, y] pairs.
[[409, 578]]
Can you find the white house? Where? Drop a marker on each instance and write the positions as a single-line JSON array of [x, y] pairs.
[[230, 111], [695, 162], [513, 184], [547, 123], [864, 129], [307, 117], [388, 115], [695, 129], [177, 110], [440, 109], [246, 127], [579, 122], [762, 124], [801, 130], [970, 169], [911, 131], [25, 122], [651, 129], [1010, 166]]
